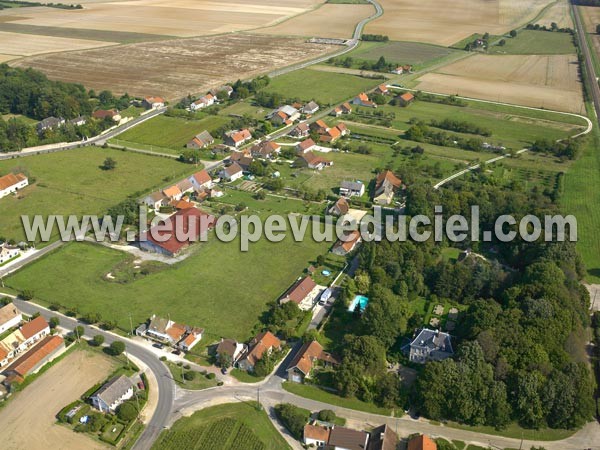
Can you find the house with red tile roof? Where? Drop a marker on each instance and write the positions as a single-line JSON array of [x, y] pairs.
[[362, 99], [102, 114], [201, 180], [309, 355], [237, 138], [265, 150], [192, 338], [177, 232], [315, 435], [344, 246], [203, 102], [36, 357], [340, 207], [34, 330], [264, 342], [406, 99], [312, 161], [173, 192], [305, 146], [382, 89], [319, 126], [299, 291], [11, 183], [201, 140], [386, 185], [421, 442], [153, 102]]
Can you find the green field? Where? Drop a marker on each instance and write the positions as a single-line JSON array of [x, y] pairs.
[[245, 107], [323, 87], [314, 393], [232, 426], [198, 383], [71, 182], [581, 197], [414, 53], [532, 42], [169, 134], [218, 288]]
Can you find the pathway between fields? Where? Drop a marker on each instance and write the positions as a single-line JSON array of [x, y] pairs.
[[507, 155]]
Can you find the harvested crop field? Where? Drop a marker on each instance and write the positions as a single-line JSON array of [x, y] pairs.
[[559, 13], [550, 82], [29, 422], [4, 58], [183, 18], [175, 67], [330, 20], [28, 45], [435, 22]]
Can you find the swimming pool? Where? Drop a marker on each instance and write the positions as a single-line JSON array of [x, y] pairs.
[[360, 300]]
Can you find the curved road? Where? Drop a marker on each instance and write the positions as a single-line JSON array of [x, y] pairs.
[[165, 384], [353, 43]]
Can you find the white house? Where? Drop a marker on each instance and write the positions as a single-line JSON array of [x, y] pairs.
[[116, 391], [232, 173], [153, 102], [8, 252], [201, 180], [156, 200], [193, 337], [203, 102], [315, 435], [11, 183], [352, 188], [10, 317]]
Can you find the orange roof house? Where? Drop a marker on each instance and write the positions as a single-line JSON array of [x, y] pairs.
[[331, 135], [421, 442], [343, 247], [36, 357], [173, 192], [263, 343], [406, 98], [299, 291], [10, 180], [34, 327], [302, 364]]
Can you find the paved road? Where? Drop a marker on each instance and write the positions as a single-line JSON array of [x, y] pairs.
[[271, 393], [23, 260], [589, 65], [165, 388], [352, 44], [96, 140]]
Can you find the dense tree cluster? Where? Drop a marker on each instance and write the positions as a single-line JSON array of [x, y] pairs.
[[460, 126], [420, 132], [30, 93], [519, 344], [567, 149], [375, 37]]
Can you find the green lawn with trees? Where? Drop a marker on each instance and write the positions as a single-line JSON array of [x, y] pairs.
[[73, 182], [534, 42], [215, 288], [235, 425], [169, 134]]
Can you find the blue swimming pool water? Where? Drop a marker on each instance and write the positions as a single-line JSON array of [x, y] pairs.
[[326, 273], [359, 299]]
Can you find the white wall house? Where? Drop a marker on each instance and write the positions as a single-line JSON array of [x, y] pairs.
[[8, 252], [11, 183], [112, 394], [10, 317]]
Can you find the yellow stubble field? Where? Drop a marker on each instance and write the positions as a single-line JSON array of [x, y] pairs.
[[550, 82], [329, 21], [444, 23]]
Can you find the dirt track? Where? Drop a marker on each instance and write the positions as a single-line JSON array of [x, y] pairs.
[[28, 420]]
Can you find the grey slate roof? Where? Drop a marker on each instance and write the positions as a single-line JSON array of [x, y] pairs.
[[351, 185], [114, 389], [434, 340]]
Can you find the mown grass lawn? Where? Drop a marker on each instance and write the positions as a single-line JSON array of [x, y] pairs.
[[315, 393], [170, 132], [71, 182], [199, 382], [234, 425], [323, 87], [218, 288], [535, 42]]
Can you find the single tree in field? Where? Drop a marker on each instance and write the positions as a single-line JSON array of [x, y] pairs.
[[598, 29], [109, 164], [513, 33]]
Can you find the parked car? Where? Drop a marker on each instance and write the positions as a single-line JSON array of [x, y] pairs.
[[176, 352], [158, 345], [223, 370]]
